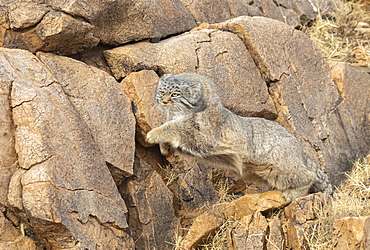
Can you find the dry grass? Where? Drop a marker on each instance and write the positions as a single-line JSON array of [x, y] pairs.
[[170, 174], [218, 241], [338, 34], [176, 244], [222, 185], [351, 199]]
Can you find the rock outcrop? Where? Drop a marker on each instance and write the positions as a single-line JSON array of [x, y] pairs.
[[66, 27], [60, 184], [243, 210], [76, 170]]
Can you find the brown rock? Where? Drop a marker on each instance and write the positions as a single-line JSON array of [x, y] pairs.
[[28, 40], [353, 86], [65, 35], [290, 17], [208, 11], [102, 104], [26, 14], [348, 129], [118, 22], [203, 226], [249, 232], [21, 242], [67, 193], [352, 233], [246, 205], [269, 9], [15, 189], [7, 230], [244, 8], [193, 187], [140, 88], [275, 236], [301, 214], [151, 215], [56, 32], [176, 54], [95, 58], [7, 151], [61, 29], [250, 203], [218, 55], [12, 232], [4, 24]]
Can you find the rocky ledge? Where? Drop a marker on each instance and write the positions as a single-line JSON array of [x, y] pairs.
[[76, 170]]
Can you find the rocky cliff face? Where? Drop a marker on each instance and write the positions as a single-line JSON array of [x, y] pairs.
[[76, 170]]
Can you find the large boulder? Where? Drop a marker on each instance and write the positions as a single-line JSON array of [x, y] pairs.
[[219, 55], [118, 22], [70, 27], [55, 32], [101, 102], [61, 186], [245, 211]]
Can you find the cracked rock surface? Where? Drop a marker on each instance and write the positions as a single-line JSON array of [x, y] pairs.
[[70, 27], [63, 185], [76, 171]]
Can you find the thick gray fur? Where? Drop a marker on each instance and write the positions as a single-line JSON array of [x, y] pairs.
[[256, 149]]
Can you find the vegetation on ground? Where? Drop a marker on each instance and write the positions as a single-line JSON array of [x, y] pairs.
[[342, 32]]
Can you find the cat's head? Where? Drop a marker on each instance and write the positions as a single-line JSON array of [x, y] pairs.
[[179, 94]]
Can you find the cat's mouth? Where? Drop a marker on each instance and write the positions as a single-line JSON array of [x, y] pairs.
[[167, 103]]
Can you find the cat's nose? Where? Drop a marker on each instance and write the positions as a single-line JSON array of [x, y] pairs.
[[166, 100]]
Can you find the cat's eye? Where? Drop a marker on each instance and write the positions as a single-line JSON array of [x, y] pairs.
[[174, 94], [161, 93]]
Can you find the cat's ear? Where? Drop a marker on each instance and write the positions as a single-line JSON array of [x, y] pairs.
[[165, 77]]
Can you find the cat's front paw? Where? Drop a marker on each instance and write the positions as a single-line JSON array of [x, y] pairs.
[[166, 149], [154, 136]]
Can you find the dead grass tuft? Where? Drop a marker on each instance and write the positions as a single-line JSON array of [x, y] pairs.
[[342, 32], [351, 199], [222, 185], [170, 174], [218, 241]]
